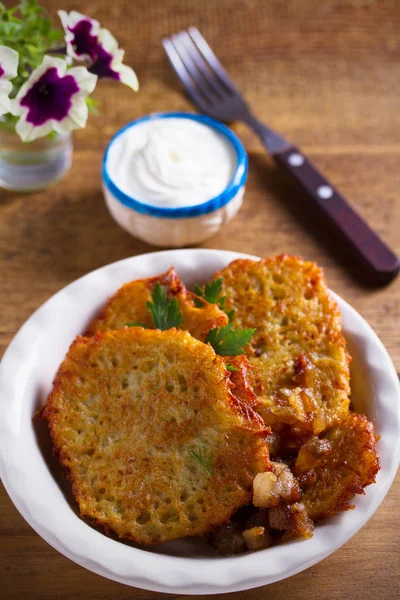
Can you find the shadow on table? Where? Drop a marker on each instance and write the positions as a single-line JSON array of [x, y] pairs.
[[285, 192], [73, 234]]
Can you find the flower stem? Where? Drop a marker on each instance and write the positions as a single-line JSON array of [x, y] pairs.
[[59, 50]]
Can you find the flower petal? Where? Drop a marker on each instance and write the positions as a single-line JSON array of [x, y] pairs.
[[5, 86], [109, 61], [5, 104], [53, 99], [108, 41], [8, 62], [28, 132], [77, 116], [85, 80], [48, 61], [80, 34], [127, 76]]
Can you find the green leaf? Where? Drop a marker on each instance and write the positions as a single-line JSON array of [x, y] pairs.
[[212, 292], [231, 314], [136, 325], [232, 368], [204, 458], [27, 29], [92, 105], [165, 312], [229, 342]]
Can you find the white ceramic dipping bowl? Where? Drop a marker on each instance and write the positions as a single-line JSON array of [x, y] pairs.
[[175, 227]]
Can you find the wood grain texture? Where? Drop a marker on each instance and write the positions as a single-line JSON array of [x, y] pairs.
[[326, 75]]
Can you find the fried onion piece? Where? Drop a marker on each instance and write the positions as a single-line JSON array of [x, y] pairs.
[[333, 470], [257, 538], [271, 487]]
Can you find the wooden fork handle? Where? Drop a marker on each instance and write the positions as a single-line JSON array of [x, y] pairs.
[[351, 231]]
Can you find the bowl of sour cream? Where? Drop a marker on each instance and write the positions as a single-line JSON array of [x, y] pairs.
[[174, 179]]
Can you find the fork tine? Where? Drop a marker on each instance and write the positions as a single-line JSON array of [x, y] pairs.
[[198, 65], [210, 57], [191, 67], [181, 71]]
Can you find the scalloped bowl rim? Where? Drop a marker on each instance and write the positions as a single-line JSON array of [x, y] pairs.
[[40, 501]]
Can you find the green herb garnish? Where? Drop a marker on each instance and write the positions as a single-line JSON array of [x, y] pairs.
[[165, 312], [211, 293], [137, 325], [27, 29], [231, 368], [231, 314], [204, 458], [229, 342]]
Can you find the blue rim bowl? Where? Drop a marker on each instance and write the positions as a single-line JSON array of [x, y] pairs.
[[238, 180]]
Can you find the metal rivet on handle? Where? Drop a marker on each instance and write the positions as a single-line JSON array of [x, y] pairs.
[[325, 192], [295, 160]]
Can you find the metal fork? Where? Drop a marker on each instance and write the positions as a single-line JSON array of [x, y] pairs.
[[212, 90]]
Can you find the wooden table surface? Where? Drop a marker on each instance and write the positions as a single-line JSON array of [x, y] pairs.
[[324, 73]]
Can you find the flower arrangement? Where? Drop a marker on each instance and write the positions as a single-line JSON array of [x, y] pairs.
[[41, 92]]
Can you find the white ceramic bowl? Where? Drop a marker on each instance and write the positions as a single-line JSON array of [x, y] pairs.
[[185, 566], [175, 227]]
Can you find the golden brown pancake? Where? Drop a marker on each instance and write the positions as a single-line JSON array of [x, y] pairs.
[[330, 476], [298, 353], [128, 305], [156, 445]]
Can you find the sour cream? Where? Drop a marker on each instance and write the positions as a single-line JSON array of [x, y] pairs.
[[174, 179], [173, 162]]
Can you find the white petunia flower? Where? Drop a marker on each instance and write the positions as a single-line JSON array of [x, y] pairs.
[[52, 99], [108, 62], [8, 70], [98, 47], [81, 34]]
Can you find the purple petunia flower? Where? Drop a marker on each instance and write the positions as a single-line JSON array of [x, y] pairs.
[[8, 70], [108, 61], [81, 34], [87, 41], [52, 99]]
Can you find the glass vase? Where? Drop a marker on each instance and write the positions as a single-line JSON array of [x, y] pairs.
[[34, 165]]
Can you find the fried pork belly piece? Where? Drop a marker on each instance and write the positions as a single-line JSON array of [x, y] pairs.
[[292, 519], [228, 539], [146, 425], [331, 471], [299, 355]]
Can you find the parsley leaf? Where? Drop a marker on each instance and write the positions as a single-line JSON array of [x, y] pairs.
[[211, 293], [137, 325], [227, 341], [203, 458], [231, 314], [231, 368], [165, 312]]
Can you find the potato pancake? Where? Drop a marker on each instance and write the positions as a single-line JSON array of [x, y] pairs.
[[146, 425], [128, 305], [299, 355], [333, 470]]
